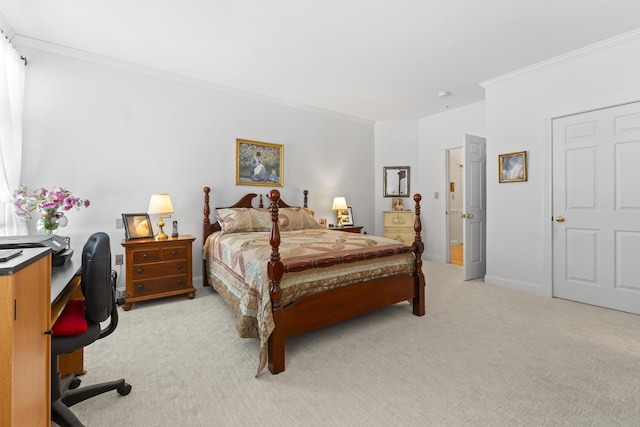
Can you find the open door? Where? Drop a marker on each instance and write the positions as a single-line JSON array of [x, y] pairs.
[[474, 207]]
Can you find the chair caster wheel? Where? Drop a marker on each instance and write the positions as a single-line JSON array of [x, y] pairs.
[[124, 390], [75, 383]]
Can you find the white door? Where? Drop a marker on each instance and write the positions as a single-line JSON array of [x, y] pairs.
[[474, 207], [596, 208]]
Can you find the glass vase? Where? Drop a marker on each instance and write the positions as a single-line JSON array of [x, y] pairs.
[[48, 224]]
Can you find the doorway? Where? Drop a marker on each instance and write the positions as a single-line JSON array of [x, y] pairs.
[[455, 198], [466, 193]]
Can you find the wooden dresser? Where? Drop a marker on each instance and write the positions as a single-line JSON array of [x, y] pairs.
[[398, 225], [158, 268]]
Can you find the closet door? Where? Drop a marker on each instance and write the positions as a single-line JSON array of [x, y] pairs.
[[596, 207]]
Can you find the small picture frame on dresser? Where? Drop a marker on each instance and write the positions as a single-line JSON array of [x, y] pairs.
[[396, 204], [137, 226]]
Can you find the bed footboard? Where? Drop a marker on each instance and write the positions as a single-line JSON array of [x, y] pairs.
[[325, 308]]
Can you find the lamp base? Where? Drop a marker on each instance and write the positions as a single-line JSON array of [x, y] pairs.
[[161, 235]]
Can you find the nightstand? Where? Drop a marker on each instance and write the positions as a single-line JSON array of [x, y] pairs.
[[349, 228], [158, 268]]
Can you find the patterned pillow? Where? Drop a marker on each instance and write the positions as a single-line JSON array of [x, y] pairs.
[[296, 219], [240, 220]]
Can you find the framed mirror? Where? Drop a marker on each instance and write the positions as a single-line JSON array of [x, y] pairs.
[[396, 181]]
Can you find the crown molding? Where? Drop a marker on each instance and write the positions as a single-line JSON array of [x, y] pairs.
[[6, 28], [82, 55], [570, 56], [454, 111]]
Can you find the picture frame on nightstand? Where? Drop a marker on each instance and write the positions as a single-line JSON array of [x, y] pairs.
[[346, 216], [137, 226]]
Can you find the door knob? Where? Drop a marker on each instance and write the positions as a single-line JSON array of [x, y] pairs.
[[560, 218], [467, 215], [463, 216]]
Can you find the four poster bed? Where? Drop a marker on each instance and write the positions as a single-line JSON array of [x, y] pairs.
[[283, 273]]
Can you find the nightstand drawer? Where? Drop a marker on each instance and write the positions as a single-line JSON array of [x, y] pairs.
[[159, 269], [153, 286], [176, 252], [146, 255]]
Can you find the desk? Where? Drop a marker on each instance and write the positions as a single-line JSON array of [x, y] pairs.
[[26, 315]]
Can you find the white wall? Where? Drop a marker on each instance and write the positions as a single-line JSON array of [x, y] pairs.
[[519, 112], [438, 134], [116, 135], [396, 144]]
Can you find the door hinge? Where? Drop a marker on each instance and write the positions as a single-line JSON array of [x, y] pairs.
[[15, 310]]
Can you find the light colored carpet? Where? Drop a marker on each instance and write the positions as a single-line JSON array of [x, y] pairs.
[[482, 356]]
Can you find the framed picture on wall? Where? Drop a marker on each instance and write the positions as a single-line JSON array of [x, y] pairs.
[[259, 163], [512, 167]]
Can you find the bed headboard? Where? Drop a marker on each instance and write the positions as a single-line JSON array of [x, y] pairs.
[[245, 202]]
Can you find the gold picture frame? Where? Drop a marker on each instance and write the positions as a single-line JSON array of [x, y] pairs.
[[512, 167], [259, 163]]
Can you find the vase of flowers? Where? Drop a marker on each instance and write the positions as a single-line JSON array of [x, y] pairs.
[[51, 205]]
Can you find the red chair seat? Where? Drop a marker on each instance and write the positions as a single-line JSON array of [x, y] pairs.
[[71, 320]]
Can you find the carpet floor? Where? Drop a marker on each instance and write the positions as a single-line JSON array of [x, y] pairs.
[[482, 356]]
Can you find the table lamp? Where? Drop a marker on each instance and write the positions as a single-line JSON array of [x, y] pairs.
[[160, 204], [339, 204]]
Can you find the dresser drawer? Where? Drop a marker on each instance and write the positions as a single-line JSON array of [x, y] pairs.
[[145, 255], [142, 288], [404, 235], [399, 218], [157, 269]]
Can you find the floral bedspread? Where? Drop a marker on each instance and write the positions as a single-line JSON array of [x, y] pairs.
[[238, 271]]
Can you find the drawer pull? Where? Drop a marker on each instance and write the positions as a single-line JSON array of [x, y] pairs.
[[174, 253], [141, 270], [141, 286], [180, 281], [179, 266], [145, 255]]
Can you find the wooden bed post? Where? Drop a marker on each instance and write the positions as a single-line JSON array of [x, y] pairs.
[[418, 247], [275, 269], [206, 230]]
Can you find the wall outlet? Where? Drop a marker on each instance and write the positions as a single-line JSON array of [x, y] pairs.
[[119, 259], [119, 223]]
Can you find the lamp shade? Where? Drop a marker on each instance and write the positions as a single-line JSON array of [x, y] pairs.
[[160, 204], [339, 203]]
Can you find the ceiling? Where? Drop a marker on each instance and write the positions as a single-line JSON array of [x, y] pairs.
[[369, 59]]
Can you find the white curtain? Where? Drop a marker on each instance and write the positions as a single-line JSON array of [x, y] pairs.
[[12, 71]]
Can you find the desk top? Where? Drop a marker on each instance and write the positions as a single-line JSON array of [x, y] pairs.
[[26, 258], [61, 276]]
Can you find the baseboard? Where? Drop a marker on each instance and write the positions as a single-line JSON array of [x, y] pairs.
[[531, 288]]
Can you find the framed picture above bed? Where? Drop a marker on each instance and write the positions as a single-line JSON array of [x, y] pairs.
[[259, 163]]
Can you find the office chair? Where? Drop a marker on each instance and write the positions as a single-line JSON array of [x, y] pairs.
[[98, 287]]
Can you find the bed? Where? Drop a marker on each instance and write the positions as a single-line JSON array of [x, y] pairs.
[[284, 274]]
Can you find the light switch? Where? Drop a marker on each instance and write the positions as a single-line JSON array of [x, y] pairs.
[[436, 195]]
